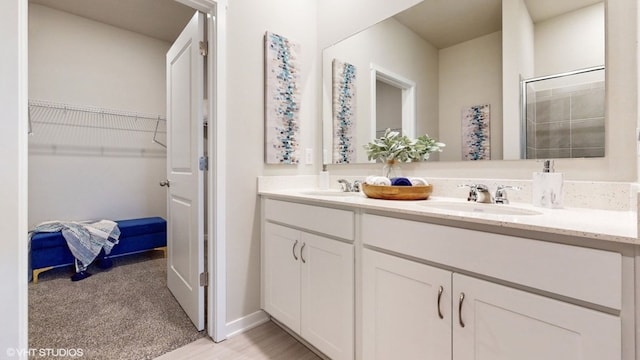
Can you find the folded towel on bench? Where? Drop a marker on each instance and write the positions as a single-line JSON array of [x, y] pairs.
[[85, 238]]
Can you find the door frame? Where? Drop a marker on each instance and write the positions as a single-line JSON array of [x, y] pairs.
[[14, 102], [409, 98], [216, 11]]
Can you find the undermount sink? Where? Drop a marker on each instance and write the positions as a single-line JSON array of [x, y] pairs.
[[479, 208], [329, 193]]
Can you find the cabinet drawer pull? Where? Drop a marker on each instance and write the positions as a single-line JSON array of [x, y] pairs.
[[293, 250], [301, 254], [440, 290], [460, 310]]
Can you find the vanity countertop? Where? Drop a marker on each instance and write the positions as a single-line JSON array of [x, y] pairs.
[[600, 225]]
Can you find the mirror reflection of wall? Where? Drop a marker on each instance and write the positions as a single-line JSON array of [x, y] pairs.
[[391, 51], [463, 54], [564, 108], [388, 108]]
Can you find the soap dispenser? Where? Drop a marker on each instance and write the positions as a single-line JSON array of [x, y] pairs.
[[547, 187]]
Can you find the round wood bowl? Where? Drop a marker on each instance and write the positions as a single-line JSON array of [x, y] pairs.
[[418, 192]]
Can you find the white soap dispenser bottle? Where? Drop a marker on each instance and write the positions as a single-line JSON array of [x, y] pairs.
[[547, 187], [323, 179]]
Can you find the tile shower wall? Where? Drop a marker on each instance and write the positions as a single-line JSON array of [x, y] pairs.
[[566, 122]]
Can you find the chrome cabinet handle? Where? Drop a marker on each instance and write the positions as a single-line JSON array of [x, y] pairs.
[[460, 310], [293, 250], [301, 254], [440, 290], [166, 183]]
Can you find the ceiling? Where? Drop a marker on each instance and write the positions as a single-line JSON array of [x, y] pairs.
[[444, 23], [541, 10], [160, 19]]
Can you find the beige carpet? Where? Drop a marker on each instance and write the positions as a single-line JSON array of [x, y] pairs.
[[126, 312]]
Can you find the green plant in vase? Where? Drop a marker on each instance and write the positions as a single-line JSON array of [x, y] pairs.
[[392, 148]]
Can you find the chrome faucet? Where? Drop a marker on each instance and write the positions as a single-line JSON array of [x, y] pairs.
[[501, 193], [348, 187], [478, 193]]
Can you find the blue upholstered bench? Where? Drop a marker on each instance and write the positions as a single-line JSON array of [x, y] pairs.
[[49, 250]]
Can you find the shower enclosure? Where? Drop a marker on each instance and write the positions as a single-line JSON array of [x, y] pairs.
[[563, 115]]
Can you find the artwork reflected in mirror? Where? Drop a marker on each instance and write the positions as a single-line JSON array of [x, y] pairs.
[[476, 136], [459, 57], [344, 112]]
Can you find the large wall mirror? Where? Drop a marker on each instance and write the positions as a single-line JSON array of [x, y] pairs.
[[441, 67]]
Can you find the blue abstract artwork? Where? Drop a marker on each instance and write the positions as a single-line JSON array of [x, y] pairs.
[[282, 100], [344, 112], [476, 134]]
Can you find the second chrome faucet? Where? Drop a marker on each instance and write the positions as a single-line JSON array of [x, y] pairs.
[[480, 193], [349, 187]]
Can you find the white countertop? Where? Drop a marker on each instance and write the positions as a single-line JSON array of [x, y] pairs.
[[602, 225]]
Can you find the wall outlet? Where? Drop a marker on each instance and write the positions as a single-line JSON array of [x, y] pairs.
[[308, 156]]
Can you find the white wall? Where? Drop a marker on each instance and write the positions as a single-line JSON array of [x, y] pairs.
[[82, 62], [571, 41], [338, 19], [518, 63], [13, 189], [470, 74], [247, 22], [388, 106], [394, 48]]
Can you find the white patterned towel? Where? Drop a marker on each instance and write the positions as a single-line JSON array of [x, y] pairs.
[[84, 238]]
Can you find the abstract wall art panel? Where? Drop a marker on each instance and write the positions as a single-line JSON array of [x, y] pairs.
[[344, 112], [282, 99], [476, 135]]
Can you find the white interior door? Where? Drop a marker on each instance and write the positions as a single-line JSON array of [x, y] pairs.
[[185, 209]]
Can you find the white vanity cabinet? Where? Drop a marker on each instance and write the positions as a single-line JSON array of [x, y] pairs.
[[308, 273], [404, 311], [502, 323]]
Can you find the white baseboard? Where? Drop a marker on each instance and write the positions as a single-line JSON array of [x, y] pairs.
[[245, 323]]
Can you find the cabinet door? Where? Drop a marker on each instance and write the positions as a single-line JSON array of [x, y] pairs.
[[328, 295], [405, 315], [501, 323], [282, 274]]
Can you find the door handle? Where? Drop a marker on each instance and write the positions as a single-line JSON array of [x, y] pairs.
[[293, 250], [166, 183], [301, 254], [460, 310], [440, 290]]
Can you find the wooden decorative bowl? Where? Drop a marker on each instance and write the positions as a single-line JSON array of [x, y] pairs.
[[418, 192]]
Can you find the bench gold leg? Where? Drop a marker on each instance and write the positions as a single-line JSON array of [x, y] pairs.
[[163, 249], [36, 273]]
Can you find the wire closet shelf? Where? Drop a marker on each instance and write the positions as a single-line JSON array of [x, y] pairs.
[[58, 125]]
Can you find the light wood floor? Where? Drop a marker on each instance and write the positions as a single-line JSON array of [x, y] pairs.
[[267, 341]]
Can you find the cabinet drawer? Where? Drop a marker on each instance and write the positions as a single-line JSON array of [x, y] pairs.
[[591, 275], [334, 222]]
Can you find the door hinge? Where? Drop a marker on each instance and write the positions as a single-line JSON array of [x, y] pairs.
[[204, 278], [203, 48], [204, 163]]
